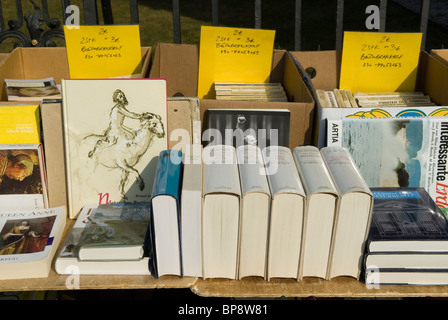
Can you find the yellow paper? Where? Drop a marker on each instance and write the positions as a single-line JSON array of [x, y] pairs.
[[19, 124], [233, 55], [380, 62], [103, 51]]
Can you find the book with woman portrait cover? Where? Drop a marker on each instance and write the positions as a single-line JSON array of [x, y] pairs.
[[114, 129], [28, 241], [23, 183]]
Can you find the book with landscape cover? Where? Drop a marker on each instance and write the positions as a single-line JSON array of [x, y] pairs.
[[29, 240], [191, 212], [220, 212], [67, 261], [236, 127], [117, 231], [353, 215], [165, 217], [321, 204], [398, 152], [288, 202], [23, 182], [255, 209], [114, 129]]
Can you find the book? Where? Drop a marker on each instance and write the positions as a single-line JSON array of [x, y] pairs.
[[191, 212], [406, 220], [397, 152], [409, 277], [29, 240], [117, 231], [165, 216], [236, 127], [220, 212], [321, 204], [67, 262], [287, 213], [250, 91], [114, 129], [32, 89], [23, 183], [353, 215], [20, 124], [255, 210]]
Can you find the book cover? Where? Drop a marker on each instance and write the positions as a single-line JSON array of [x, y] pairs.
[[236, 127], [165, 218], [116, 232], [32, 90], [406, 220], [67, 261], [23, 183], [114, 130], [29, 239], [20, 124], [398, 152]]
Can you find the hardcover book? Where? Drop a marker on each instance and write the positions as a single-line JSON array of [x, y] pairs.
[[287, 214], [397, 152], [321, 205], [353, 216], [67, 261], [115, 232], [29, 240], [23, 183], [221, 212], [237, 127], [165, 216], [114, 130], [255, 210]]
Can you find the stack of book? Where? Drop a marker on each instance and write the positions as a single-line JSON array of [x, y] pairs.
[[343, 98], [250, 91], [408, 239], [107, 239], [32, 90]]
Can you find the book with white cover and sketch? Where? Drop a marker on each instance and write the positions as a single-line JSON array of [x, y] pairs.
[[288, 202], [353, 215], [408, 239], [220, 212], [255, 210], [114, 129], [29, 240], [236, 127], [67, 261], [23, 183], [397, 152], [321, 205]]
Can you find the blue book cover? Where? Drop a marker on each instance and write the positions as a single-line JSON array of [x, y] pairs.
[[406, 220]]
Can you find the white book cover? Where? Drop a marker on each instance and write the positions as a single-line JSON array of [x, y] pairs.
[[191, 212], [23, 182], [114, 130], [253, 175]]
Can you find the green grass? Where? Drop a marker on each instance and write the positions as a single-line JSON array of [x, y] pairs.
[[318, 20]]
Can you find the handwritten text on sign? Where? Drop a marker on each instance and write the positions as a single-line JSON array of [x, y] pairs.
[[379, 62], [103, 51], [233, 55]]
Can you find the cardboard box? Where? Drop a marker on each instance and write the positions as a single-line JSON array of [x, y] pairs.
[[179, 64], [321, 70], [37, 63]]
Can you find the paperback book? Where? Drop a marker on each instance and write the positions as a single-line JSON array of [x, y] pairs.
[[32, 90], [397, 152]]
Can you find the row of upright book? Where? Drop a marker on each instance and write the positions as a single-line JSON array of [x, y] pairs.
[[226, 212]]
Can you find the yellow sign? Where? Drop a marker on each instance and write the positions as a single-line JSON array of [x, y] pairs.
[[103, 51], [380, 62], [233, 55]]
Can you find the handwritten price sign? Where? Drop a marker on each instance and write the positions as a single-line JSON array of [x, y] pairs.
[[233, 55], [380, 62], [103, 51]]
